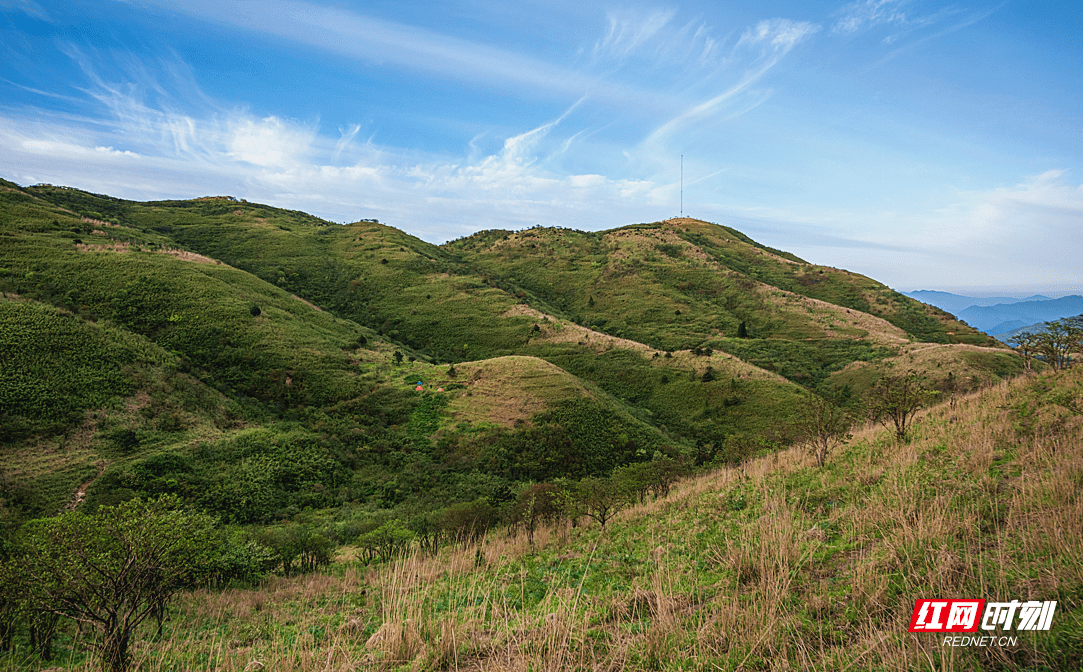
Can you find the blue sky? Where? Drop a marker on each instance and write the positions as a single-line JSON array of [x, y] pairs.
[[925, 144]]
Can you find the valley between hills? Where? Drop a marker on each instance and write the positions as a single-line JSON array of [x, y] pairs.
[[373, 421]]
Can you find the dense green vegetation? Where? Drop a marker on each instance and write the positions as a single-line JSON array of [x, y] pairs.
[[56, 366], [677, 284], [808, 561], [260, 364]]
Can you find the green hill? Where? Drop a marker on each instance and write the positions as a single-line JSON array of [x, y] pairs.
[[263, 336], [141, 367]]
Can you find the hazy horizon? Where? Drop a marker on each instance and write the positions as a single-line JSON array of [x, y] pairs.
[[1007, 292]]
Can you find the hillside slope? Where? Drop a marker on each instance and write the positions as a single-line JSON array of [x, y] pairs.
[[136, 366], [776, 564], [673, 338]]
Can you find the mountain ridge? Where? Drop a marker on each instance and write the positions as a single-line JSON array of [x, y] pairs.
[[989, 318], [679, 338]]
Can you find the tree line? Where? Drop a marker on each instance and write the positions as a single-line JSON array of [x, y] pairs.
[[1054, 344], [109, 572]]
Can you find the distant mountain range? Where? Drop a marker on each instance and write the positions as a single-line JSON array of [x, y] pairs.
[[955, 303], [999, 316]]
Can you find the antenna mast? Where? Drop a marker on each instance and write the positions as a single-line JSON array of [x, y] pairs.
[[682, 185]]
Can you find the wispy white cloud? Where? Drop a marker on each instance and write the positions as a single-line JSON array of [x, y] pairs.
[[346, 138], [110, 150], [965, 21], [392, 44], [1026, 235], [629, 30], [140, 150], [653, 39], [1045, 207], [767, 42], [865, 14], [776, 36], [269, 142]]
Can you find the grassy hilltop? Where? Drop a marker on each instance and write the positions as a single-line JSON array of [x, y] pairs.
[[260, 365], [162, 333]]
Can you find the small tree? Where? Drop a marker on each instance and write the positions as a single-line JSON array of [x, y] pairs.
[[387, 540], [896, 399], [113, 569], [468, 522], [636, 479], [1059, 339], [428, 528], [597, 498], [537, 504], [821, 427], [667, 471], [1026, 344]]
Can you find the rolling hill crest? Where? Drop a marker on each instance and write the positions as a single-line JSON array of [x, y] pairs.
[[213, 344]]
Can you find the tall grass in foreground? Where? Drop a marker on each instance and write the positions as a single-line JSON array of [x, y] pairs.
[[774, 565]]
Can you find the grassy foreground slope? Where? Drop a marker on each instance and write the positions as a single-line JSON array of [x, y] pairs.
[[777, 564]]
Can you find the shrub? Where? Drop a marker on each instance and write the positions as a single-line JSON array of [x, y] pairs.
[[468, 522], [540, 503], [896, 399], [821, 427], [597, 498], [112, 570], [386, 541]]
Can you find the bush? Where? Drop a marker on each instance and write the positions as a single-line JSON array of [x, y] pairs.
[[821, 427], [896, 399], [240, 561], [540, 503], [468, 522], [385, 542], [112, 570], [598, 498]]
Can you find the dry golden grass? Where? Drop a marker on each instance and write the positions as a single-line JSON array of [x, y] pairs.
[[836, 321], [556, 331], [122, 247], [185, 255], [506, 390], [119, 247]]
